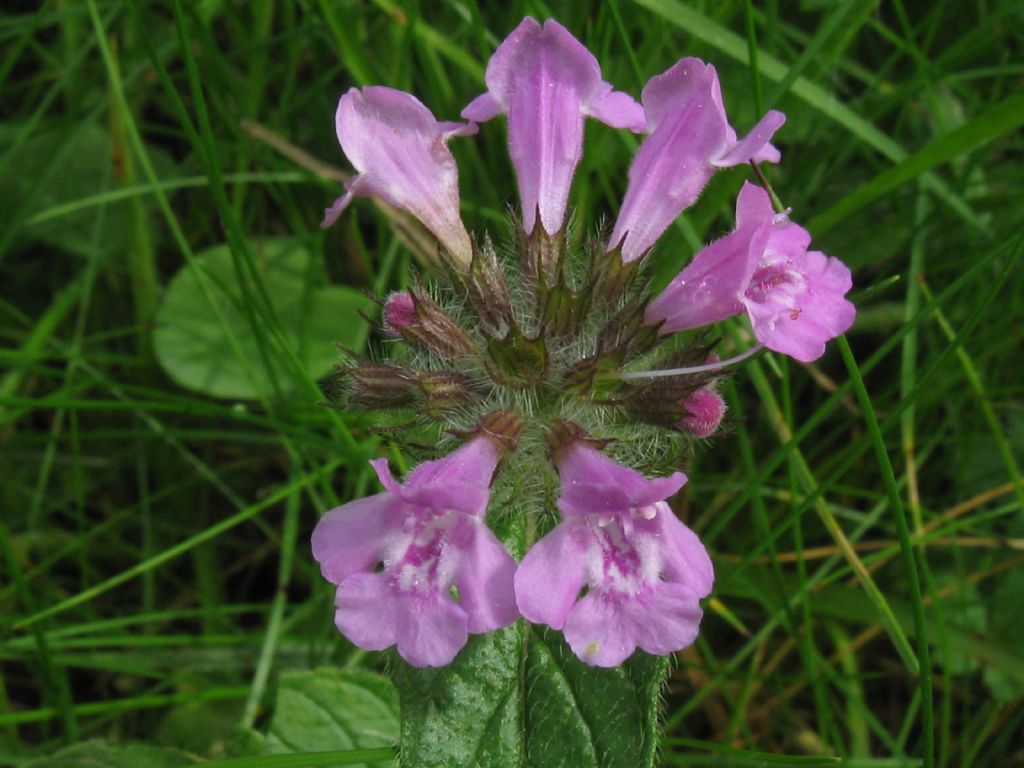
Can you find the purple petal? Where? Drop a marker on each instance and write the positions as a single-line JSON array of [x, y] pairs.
[[755, 146], [795, 299], [352, 537], [399, 149], [546, 81], [599, 631], [450, 130], [461, 480], [690, 138], [604, 629], [683, 82], [483, 108], [684, 558], [788, 243], [551, 575], [369, 612], [338, 207], [544, 97], [470, 498], [433, 630], [711, 286], [380, 466], [672, 166], [667, 620], [753, 207], [485, 577], [618, 110], [821, 313], [829, 275], [593, 483]]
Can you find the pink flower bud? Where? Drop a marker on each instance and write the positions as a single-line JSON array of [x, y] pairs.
[[399, 312], [705, 409]]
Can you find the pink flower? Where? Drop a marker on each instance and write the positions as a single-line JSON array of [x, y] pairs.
[[690, 139], [548, 82], [644, 572], [794, 297], [400, 151], [397, 557]]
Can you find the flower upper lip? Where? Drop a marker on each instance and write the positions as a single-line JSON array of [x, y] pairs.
[[547, 82]]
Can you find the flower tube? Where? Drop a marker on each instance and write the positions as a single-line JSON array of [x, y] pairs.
[[400, 152], [690, 138], [547, 82]]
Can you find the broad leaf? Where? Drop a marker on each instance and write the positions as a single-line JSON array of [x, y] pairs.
[[332, 709], [99, 754], [1005, 623], [205, 339], [500, 705], [519, 697], [52, 178]]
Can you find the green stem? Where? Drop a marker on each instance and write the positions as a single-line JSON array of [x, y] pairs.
[[906, 549], [289, 538]]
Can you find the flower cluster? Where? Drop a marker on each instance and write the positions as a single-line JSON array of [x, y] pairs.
[[528, 366]]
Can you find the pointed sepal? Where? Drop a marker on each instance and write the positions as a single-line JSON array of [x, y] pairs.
[[517, 360]]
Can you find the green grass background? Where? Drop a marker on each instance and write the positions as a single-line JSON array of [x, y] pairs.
[[864, 512]]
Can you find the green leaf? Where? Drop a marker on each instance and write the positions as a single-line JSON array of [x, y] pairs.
[[59, 166], [200, 347], [1004, 623], [332, 759], [519, 697], [333, 709], [196, 726], [1005, 117], [98, 754]]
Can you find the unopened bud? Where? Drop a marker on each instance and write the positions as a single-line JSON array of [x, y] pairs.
[[430, 326], [665, 401], [382, 385], [399, 312], [705, 409]]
